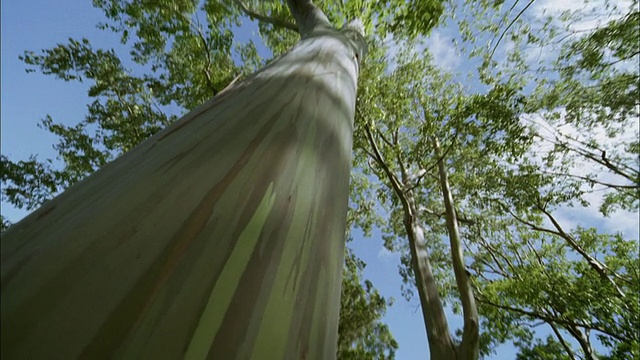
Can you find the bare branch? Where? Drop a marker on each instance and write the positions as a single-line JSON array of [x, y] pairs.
[[509, 26], [596, 265], [395, 182], [564, 344], [619, 187]]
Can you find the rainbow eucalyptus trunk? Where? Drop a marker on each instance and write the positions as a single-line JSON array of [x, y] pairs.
[[220, 237]]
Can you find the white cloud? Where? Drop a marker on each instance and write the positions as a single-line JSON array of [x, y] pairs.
[[438, 44], [591, 15], [554, 7], [627, 223], [623, 222], [443, 51], [595, 12]]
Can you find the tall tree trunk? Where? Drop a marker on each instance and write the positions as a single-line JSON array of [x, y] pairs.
[[469, 346], [441, 345], [220, 237]]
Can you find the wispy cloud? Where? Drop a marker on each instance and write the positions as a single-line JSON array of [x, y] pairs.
[[443, 51], [438, 44], [624, 222], [594, 12]]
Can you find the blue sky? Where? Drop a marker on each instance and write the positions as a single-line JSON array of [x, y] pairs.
[[27, 98]]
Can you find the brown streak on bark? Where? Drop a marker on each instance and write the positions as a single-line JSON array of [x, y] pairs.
[[245, 306], [46, 212]]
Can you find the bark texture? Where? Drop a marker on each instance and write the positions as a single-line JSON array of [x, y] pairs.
[[220, 237], [441, 345]]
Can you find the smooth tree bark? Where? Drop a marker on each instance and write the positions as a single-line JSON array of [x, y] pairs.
[[469, 345], [441, 345], [222, 236]]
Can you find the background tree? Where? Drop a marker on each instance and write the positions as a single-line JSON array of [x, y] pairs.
[[592, 137], [412, 164], [358, 336], [510, 185]]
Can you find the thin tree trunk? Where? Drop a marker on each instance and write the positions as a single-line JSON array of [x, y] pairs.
[[583, 341], [441, 344], [469, 346], [220, 237]]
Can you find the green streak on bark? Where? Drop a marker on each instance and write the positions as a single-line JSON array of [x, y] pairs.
[[229, 279], [282, 299], [317, 315]]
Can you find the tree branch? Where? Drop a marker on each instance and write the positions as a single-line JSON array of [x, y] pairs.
[[602, 159], [551, 319], [583, 341], [618, 187], [395, 183], [586, 150], [494, 256], [566, 346], [268, 19], [461, 218], [207, 51], [596, 265], [198, 29], [509, 26], [438, 333]]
